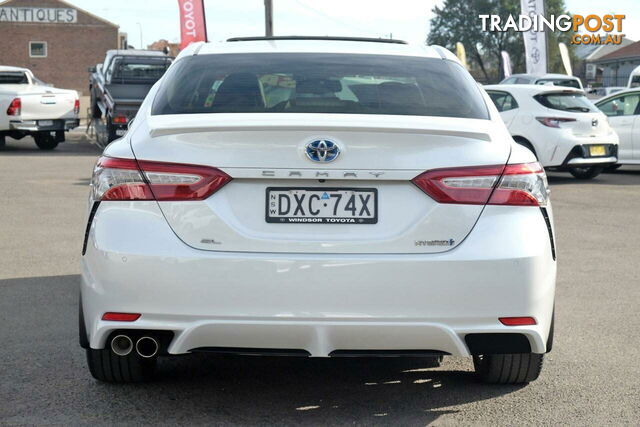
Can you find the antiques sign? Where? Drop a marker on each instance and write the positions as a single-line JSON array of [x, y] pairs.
[[41, 15]]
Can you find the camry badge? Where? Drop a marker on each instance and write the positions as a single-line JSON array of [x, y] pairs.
[[322, 150]]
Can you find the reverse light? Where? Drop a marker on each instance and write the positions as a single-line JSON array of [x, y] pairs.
[[128, 179], [518, 185], [76, 106], [15, 108], [517, 321], [121, 317], [554, 122]]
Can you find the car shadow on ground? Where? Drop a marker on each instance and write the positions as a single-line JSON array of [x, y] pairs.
[[83, 182], [311, 390], [50, 381], [76, 145]]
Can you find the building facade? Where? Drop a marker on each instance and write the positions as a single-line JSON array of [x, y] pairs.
[[171, 49], [55, 39], [617, 66], [586, 55]]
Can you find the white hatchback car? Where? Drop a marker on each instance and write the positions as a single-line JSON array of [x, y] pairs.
[[561, 126], [318, 197], [623, 111], [543, 79]]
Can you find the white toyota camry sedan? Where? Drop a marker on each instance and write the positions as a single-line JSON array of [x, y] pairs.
[[560, 125], [318, 197]]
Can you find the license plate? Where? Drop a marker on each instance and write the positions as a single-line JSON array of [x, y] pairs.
[[121, 132], [45, 122], [322, 205], [597, 150]]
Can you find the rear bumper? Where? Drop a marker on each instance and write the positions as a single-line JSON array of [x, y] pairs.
[[556, 149], [317, 303], [38, 126], [580, 156], [590, 161]]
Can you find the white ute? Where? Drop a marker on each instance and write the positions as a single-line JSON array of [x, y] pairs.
[[29, 107]]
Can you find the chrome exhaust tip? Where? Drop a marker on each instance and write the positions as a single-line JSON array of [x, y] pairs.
[[121, 345], [147, 347]]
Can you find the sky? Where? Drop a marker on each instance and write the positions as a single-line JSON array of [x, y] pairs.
[[150, 20]]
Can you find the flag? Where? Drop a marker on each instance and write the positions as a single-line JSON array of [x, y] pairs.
[[193, 26], [506, 63], [535, 42], [461, 54], [566, 61]]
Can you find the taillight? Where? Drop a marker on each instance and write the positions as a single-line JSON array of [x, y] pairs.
[[15, 108], [128, 179], [518, 185], [517, 321], [522, 185], [76, 106], [554, 122], [121, 120], [121, 317]]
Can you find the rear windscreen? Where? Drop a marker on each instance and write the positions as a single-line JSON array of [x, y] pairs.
[[560, 82], [139, 70], [575, 102], [13, 78], [319, 83]]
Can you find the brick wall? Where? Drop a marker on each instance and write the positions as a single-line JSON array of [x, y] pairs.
[[72, 48]]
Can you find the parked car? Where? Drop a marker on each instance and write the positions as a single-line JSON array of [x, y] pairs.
[[29, 107], [560, 126], [544, 79], [375, 205], [623, 111], [118, 87]]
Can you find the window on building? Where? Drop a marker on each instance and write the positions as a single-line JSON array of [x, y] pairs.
[[38, 49]]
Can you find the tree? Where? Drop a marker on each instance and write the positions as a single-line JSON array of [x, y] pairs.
[[458, 21]]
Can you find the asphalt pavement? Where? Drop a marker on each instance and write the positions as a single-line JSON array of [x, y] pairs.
[[591, 377]]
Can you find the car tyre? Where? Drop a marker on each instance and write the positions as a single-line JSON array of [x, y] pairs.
[[519, 368], [45, 141], [588, 172], [3, 141], [111, 131], [106, 366], [95, 110], [434, 362]]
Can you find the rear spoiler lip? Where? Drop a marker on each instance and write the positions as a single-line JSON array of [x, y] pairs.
[[164, 125]]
